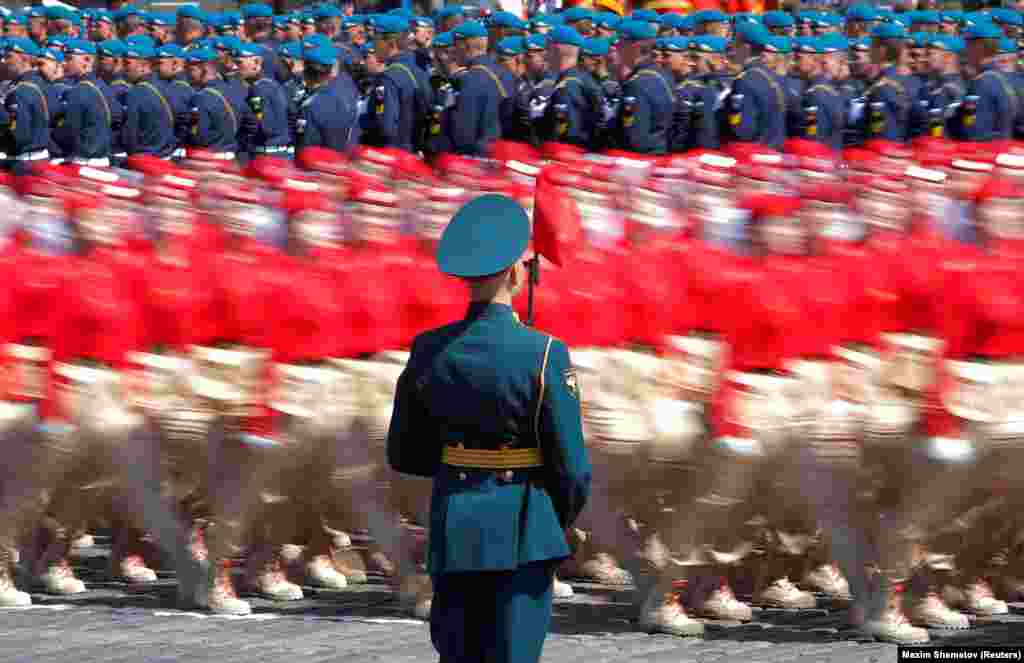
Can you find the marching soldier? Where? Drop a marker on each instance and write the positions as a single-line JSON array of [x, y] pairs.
[[471, 617], [92, 114], [892, 98], [217, 115], [824, 106], [328, 116], [947, 91], [594, 58], [758, 103], [266, 128], [574, 110], [991, 106], [483, 92], [399, 103]]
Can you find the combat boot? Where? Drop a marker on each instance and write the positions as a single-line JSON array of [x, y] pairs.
[[217, 592], [320, 572], [267, 577], [561, 590], [722, 605], [980, 600], [10, 597], [892, 625], [828, 580], [930, 611]]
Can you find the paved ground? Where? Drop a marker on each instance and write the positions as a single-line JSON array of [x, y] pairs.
[[112, 624]]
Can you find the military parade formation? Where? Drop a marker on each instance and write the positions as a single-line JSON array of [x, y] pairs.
[[784, 251]]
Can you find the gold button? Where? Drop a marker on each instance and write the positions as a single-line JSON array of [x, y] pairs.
[[509, 475], [462, 476]]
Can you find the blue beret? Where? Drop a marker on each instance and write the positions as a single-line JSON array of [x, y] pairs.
[[611, 20], [509, 46], [326, 11], [307, 17], [280, 21], [51, 54], [232, 19], [353, 20], [538, 20], [777, 19], [192, 12], [322, 55], [952, 16], [422, 22], [1007, 46], [111, 48], [862, 44], [127, 11], [58, 13], [443, 40], [827, 20], [889, 31], [227, 43], [710, 16], [17, 19], [745, 18], [536, 42], [450, 10], [102, 16], [709, 44], [833, 43], [596, 48], [974, 18], [22, 45], [485, 237], [983, 31], [170, 51], [160, 18], [927, 17], [563, 34], [391, 25], [36, 11], [80, 47], [806, 45], [633, 30], [947, 43], [752, 32], [777, 45], [137, 49], [290, 49], [577, 14], [315, 40], [508, 20], [407, 14], [1003, 16], [470, 30], [200, 56], [674, 21], [258, 10], [367, 48], [862, 13], [248, 50], [57, 41], [646, 15], [294, 17]]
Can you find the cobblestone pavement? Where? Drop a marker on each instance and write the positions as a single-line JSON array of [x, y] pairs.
[[114, 624]]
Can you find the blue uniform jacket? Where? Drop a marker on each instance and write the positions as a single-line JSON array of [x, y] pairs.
[[56, 101], [573, 110], [648, 103], [483, 382], [399, 105], [328, 116], [476, 118], [758, 106], [991, 106], [90, 114], [28, 109], [269, 126], [892, 106], [217, 118], [827, 110], [149, 120]]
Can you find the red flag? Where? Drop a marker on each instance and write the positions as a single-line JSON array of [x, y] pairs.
[[556, 220]]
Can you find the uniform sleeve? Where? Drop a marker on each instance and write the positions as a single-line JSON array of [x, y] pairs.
[[560, 430], [201, 122], [20, 109], [469, 108], [387, 108], [130, 137], [74, 123], [636, 119], [412, 446], [744, 114]]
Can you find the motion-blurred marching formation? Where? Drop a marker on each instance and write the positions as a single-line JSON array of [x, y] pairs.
[[800, 376]]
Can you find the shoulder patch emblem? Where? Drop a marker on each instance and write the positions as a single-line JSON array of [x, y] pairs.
[[572, 383]]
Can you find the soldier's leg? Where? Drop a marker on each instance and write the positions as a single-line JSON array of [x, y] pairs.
[[20, 505]]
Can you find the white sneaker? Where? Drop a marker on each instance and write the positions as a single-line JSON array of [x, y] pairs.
[[932, 612], [893, 627], [321, 573], [133, 570], [59, 579], [344, 561], [722, 605], [784, 594], [828, 580], [664, 613], [561, 590], [339, 539], [10, 597], [272, 583], [604, 570], [979, 600]]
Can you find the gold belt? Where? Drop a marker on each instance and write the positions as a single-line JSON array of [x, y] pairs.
[[492, 459]]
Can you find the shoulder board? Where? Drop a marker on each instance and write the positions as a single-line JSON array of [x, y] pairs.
[[185, 83], [823, 87]]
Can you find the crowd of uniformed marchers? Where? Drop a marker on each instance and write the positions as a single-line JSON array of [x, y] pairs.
[[801, 368], [95, 87]]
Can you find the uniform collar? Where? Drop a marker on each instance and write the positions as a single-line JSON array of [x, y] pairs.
[[489, 310]]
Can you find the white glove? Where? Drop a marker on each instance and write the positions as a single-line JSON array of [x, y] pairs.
[[537, 108], [856, 110], [362, 106]]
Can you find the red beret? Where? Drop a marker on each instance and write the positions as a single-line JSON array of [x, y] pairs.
[[296, 202], [270, 169], [409, 167], [889, 149], [802, 147], [828, 192], [447, 165], [561, 152], [998, 187], [320, 158], [507, 150], [149, 164], [767, 205]]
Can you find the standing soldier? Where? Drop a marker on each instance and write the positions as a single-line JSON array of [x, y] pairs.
[[400, 101], [217, 116], [892, 97], [266, 129], [991, 105], [476, 118], [149, 116], [824, 112], [27, 129], [706, 93], [422, 36], [91, 113], [947, 90], [647, 93], [328, 115], [594, 58], [169, 64], [527, 474], [575, 108], [758, 104]]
